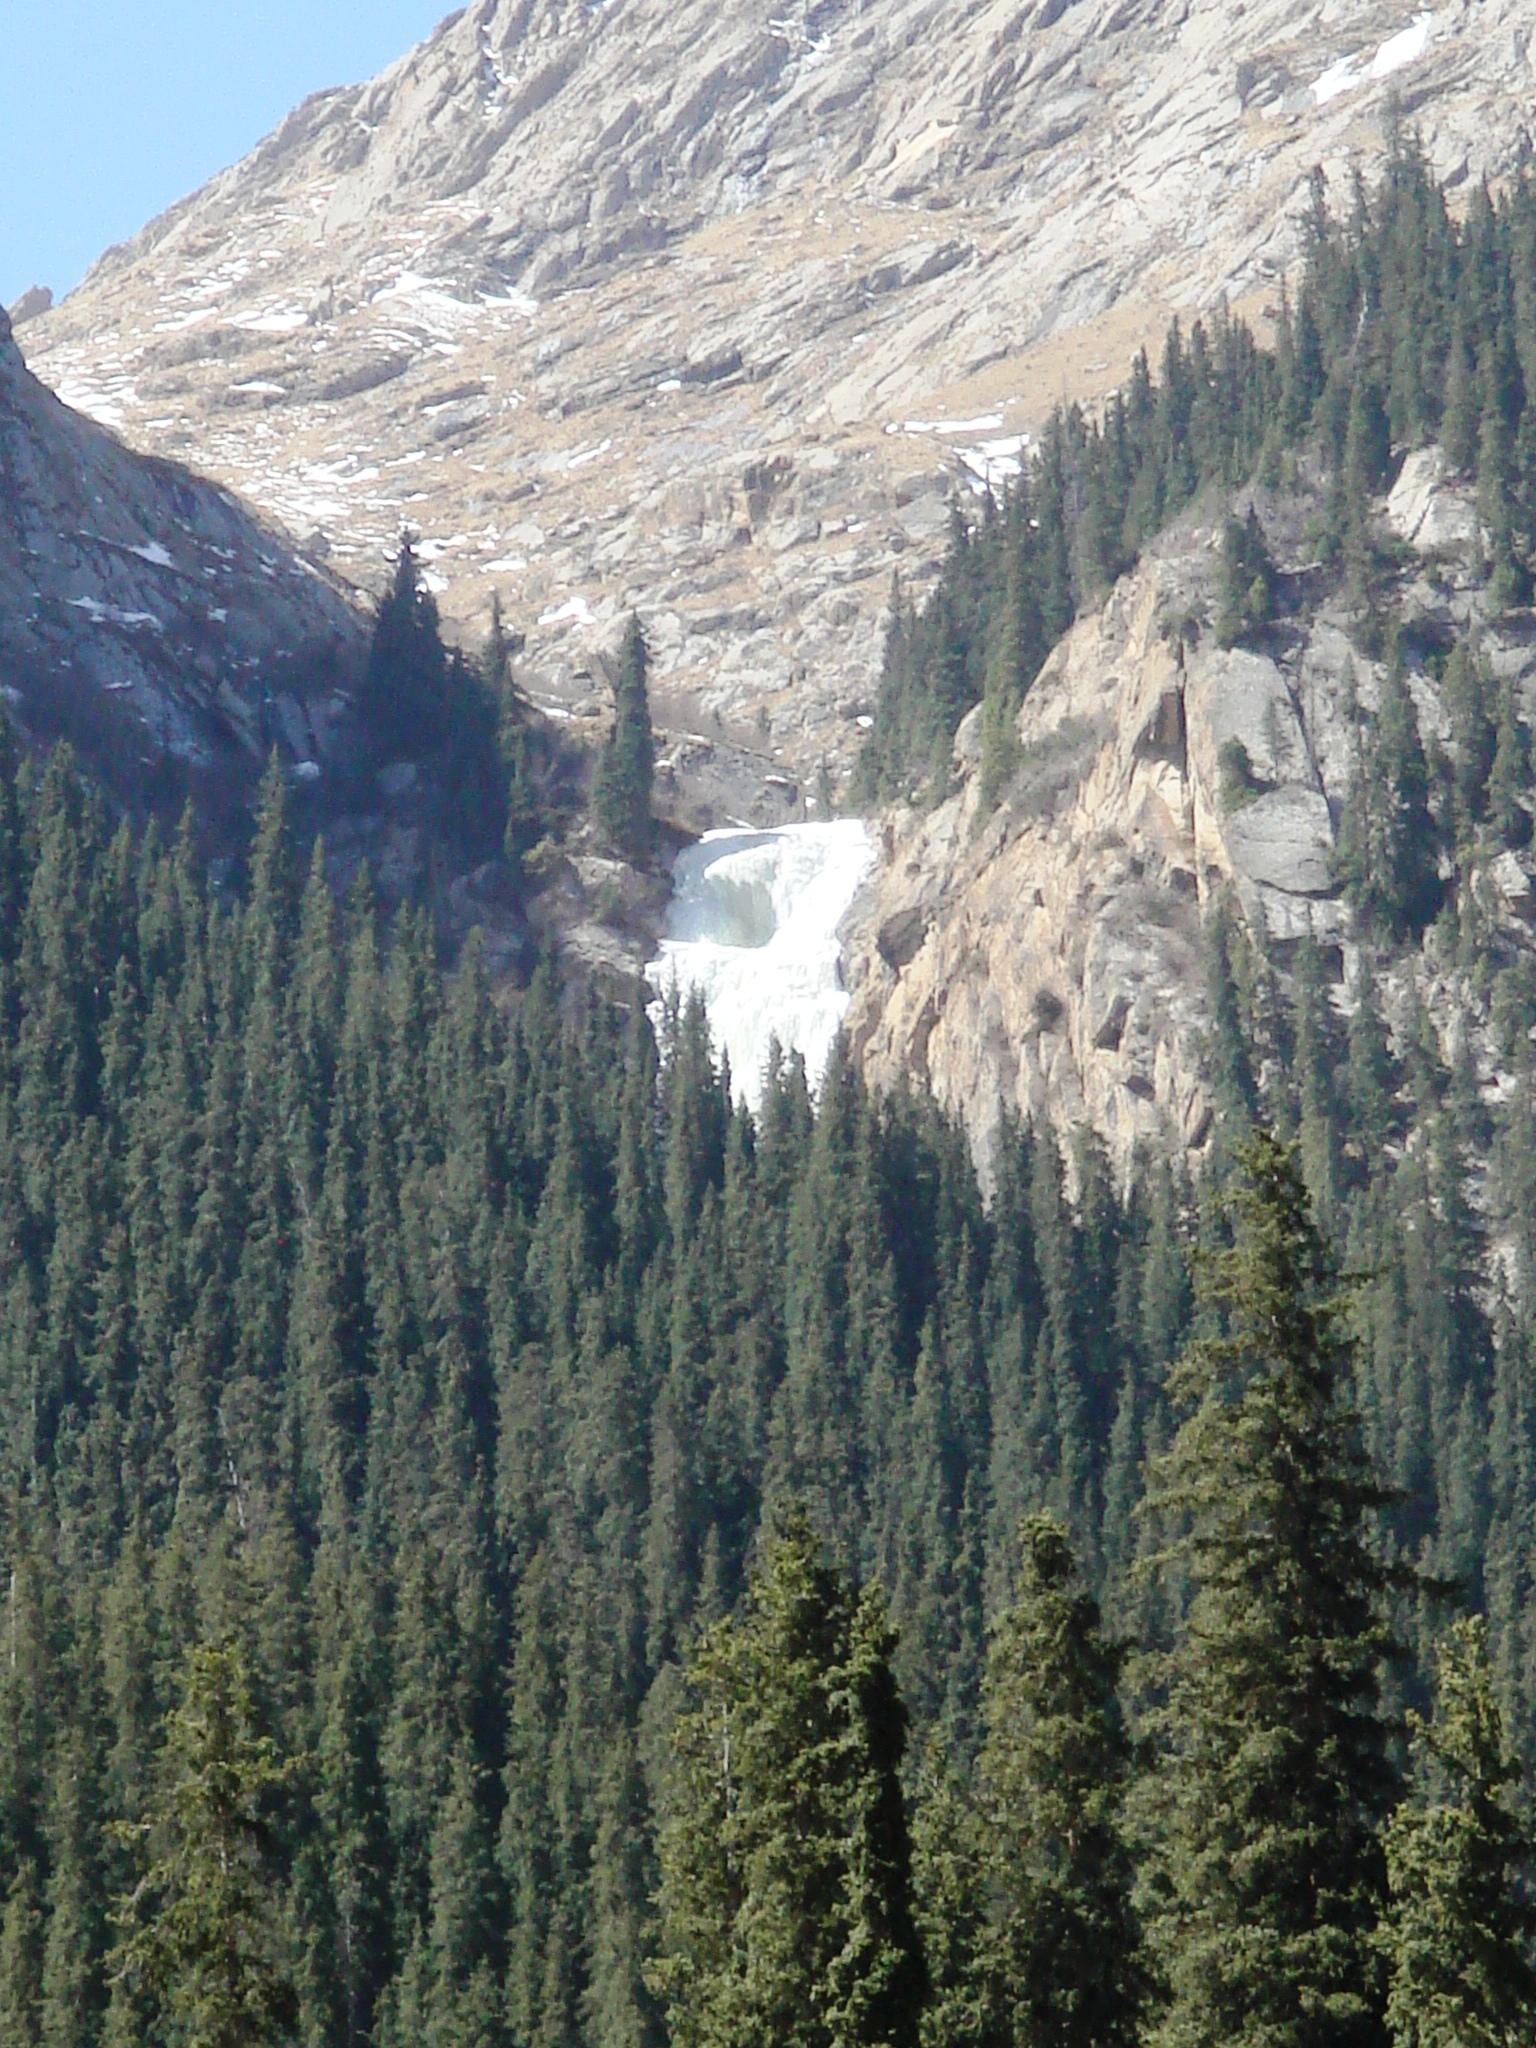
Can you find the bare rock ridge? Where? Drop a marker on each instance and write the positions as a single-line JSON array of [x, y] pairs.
[[166, 630], [32, 304], [710, 309], [1048, 960]]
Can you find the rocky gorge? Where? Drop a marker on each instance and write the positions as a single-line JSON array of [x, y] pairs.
[[632, 307]]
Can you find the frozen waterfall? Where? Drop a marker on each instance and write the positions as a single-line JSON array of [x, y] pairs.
[[753, 926]]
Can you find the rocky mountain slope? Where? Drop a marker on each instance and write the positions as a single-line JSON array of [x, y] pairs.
[[1050, 959], [169, 632], [711, 310]]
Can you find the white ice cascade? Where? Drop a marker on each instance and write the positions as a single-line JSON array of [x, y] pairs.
[[753, 927]]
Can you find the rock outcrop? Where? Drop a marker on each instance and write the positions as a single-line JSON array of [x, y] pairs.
[[166, 630], [1049, 960], [33, 303], [711, 309]]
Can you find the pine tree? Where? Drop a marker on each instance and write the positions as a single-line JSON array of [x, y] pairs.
[[1509, 774], [1246, 584], [402, 699], [1267, 1874], [621, 792], [1060, 1962], [785, 1901], [200, 1927], [1459, 1932], [951, 1869], [1388, 849]]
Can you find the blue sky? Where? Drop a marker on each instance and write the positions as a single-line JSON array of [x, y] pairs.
[[112, 109]]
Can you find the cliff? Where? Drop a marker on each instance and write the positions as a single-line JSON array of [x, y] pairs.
[[1049, 960]]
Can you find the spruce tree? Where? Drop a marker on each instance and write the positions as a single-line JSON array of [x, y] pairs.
[[621, 792], [200, 1927], [1246, 583], [1060, 1961], [785, 1898], [1459, 1932], [1266, 1874], [401, 701]]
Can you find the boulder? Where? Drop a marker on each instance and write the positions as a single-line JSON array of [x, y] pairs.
[[1283, 840], [1427, 509]]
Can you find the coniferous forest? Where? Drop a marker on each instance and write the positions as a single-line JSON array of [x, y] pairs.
[[1406, 327], [504, 1548]]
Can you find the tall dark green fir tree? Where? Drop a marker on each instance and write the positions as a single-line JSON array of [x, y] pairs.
[[785, 1900], [1061, 1959], [622, 790], [1266, 1876], [1459, 1933]]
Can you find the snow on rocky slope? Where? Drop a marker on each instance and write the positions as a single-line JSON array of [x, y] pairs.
[[617, 304], [753, 927]]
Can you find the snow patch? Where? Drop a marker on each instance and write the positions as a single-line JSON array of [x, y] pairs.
[[753, 927], [574, 612], [183, 321], [989, 423], [108, 614], [274, 320], [1406, 47], [995, 463], [153, 553]]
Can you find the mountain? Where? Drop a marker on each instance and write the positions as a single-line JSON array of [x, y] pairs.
[[712, 310], [173, 635]]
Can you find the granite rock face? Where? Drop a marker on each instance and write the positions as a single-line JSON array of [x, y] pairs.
[[1048, 961], [710, 310]]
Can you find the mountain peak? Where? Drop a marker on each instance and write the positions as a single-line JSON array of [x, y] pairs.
[[713, 310]]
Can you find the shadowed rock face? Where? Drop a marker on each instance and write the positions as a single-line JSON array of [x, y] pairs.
[[620, 302], [167, 631]]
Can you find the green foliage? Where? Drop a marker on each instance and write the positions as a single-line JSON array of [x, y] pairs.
[[621, 791], [402, 702], [1459, 1932], [1060, 1961], [446, 1353], [1387, 857], [1239, 785], [466, 730], [1267, 1875], [201, 1925], [785, 1908], [1245, 589]]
